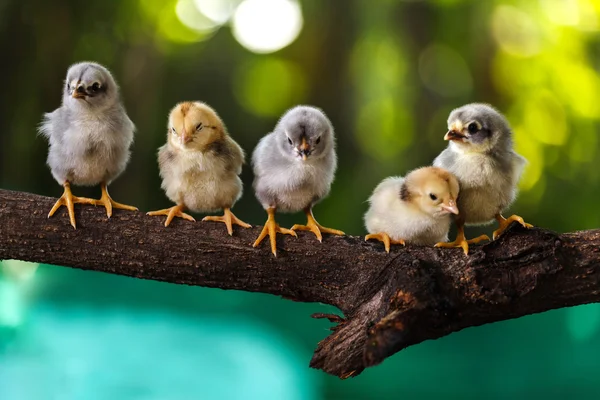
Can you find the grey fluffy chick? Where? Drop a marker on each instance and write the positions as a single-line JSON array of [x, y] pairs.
[[480, 154], [294, 167], [89, 136]]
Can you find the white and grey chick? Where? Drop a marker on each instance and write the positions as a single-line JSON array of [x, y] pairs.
[[200, 165], [480, 154], [413, 209], [90, 136], [294, 167]]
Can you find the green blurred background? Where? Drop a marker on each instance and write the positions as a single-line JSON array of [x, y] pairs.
[[387, 73]]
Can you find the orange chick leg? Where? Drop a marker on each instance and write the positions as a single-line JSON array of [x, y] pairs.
[[228, 219], [271, 228], [313, 226], [175, 211], [504, 223], [68, 200], [109, 203], [461, 241], [383, 237]]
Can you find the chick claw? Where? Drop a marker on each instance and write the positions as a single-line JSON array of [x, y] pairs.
[[228, 219], [462, 242], [68, 200], [271, 228], [383, 237], [175, 211], [316, 228], [504, 223], [109, 203]]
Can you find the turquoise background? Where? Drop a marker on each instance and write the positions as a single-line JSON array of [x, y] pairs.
[[387, 75]]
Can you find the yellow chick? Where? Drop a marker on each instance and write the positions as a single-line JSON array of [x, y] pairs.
[[414, 209], [200, 165]]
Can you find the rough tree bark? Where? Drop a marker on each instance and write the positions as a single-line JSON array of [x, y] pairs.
[[389, 301]]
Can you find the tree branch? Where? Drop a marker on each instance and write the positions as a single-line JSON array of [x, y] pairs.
[[389, 301]]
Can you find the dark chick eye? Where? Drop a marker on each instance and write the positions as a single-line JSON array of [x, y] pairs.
[[318, 140], [473, 128], [95, 87], [199, 127], [174, 131], [290, 141], [432, 196]]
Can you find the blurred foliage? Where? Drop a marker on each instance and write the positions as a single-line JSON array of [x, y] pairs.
[[387, 75]]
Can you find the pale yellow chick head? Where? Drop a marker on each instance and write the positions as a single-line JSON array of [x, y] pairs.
[[194, 126], [431, 189]]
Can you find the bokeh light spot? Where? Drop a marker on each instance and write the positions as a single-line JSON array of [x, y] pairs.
[[515, 31], [544, 118], [268, 86], [169, 26], [19, 270], [188, 14], [513, 75], [561, 12], [589, 13], [265, 26], [217, 10], [529, 148], [579, 85], [384, 128], [378, 66], [11, 306], [444, 71], [583, 322]]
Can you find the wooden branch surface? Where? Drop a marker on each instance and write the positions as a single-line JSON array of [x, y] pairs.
[[389, 301]]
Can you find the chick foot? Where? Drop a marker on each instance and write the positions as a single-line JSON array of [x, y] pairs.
[[109, 203], [175, 211], [316, 228], [462, 242], [505, 223], [271, 228], [228, 219], [383, 237], [68, 200]]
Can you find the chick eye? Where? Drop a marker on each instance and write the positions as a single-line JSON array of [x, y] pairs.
[[290, 141], [473, 128], [199, 127], [95, 87], [173, 131], [318, 140], [432, 196]]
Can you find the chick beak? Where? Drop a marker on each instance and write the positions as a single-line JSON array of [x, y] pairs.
[[450, 207], [185, 139], [304, 149], [454, 135], [78, 93]]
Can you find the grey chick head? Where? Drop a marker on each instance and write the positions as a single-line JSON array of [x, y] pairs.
[[304, 133], [90, 86], [479, 128]]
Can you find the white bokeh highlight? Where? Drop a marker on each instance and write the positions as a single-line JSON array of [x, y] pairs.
[[265, 26], [219, 11], [189, 15]]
